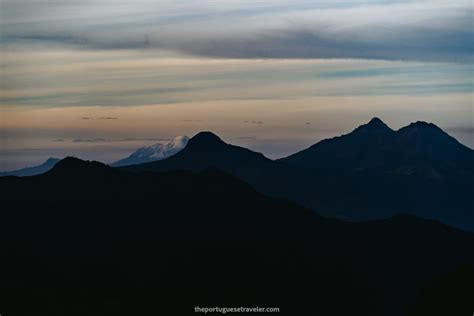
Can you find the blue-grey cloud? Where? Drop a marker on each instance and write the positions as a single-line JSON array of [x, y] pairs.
[[400, 30], [110, 140]]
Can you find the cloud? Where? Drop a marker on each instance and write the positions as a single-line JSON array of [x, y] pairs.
[[89, 140], [100, 118], [110, 140], [420, 44], [416, 30]]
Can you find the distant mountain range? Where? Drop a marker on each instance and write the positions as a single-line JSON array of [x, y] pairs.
[[31, 171], [142, 155], [87, 239], [373, 172], [154, 152], [418, 147]]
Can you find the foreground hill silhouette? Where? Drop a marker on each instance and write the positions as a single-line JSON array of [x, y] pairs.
[[373, 172], [88, 239]]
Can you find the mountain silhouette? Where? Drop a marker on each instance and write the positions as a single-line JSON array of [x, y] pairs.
[[206, 141], [371, 173], [374, 146], [31, 171], [86, 239], [375, 127], [207, 150], [425, 142], [154, 152]]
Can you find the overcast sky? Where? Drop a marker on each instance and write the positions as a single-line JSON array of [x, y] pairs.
[[406, 30], [275, 76]]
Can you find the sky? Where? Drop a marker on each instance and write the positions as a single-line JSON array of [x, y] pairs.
[[97, 79]]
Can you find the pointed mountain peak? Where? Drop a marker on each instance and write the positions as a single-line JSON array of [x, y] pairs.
[[205, 141], [375, 121], [374, 125]]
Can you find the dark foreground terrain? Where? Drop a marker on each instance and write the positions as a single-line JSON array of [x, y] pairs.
[[87, 239]]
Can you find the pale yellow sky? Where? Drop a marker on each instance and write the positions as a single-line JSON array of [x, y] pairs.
[[102, 104]]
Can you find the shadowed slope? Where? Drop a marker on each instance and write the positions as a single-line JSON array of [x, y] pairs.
[[374, 172], [374, 146], [88, 239], [206, 150]]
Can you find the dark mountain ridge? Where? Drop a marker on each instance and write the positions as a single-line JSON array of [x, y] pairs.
[[88, 239], [206, 150], [373, 172], [374, 146]]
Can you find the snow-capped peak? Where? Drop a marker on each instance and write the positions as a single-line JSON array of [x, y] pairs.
[[154, 152]]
